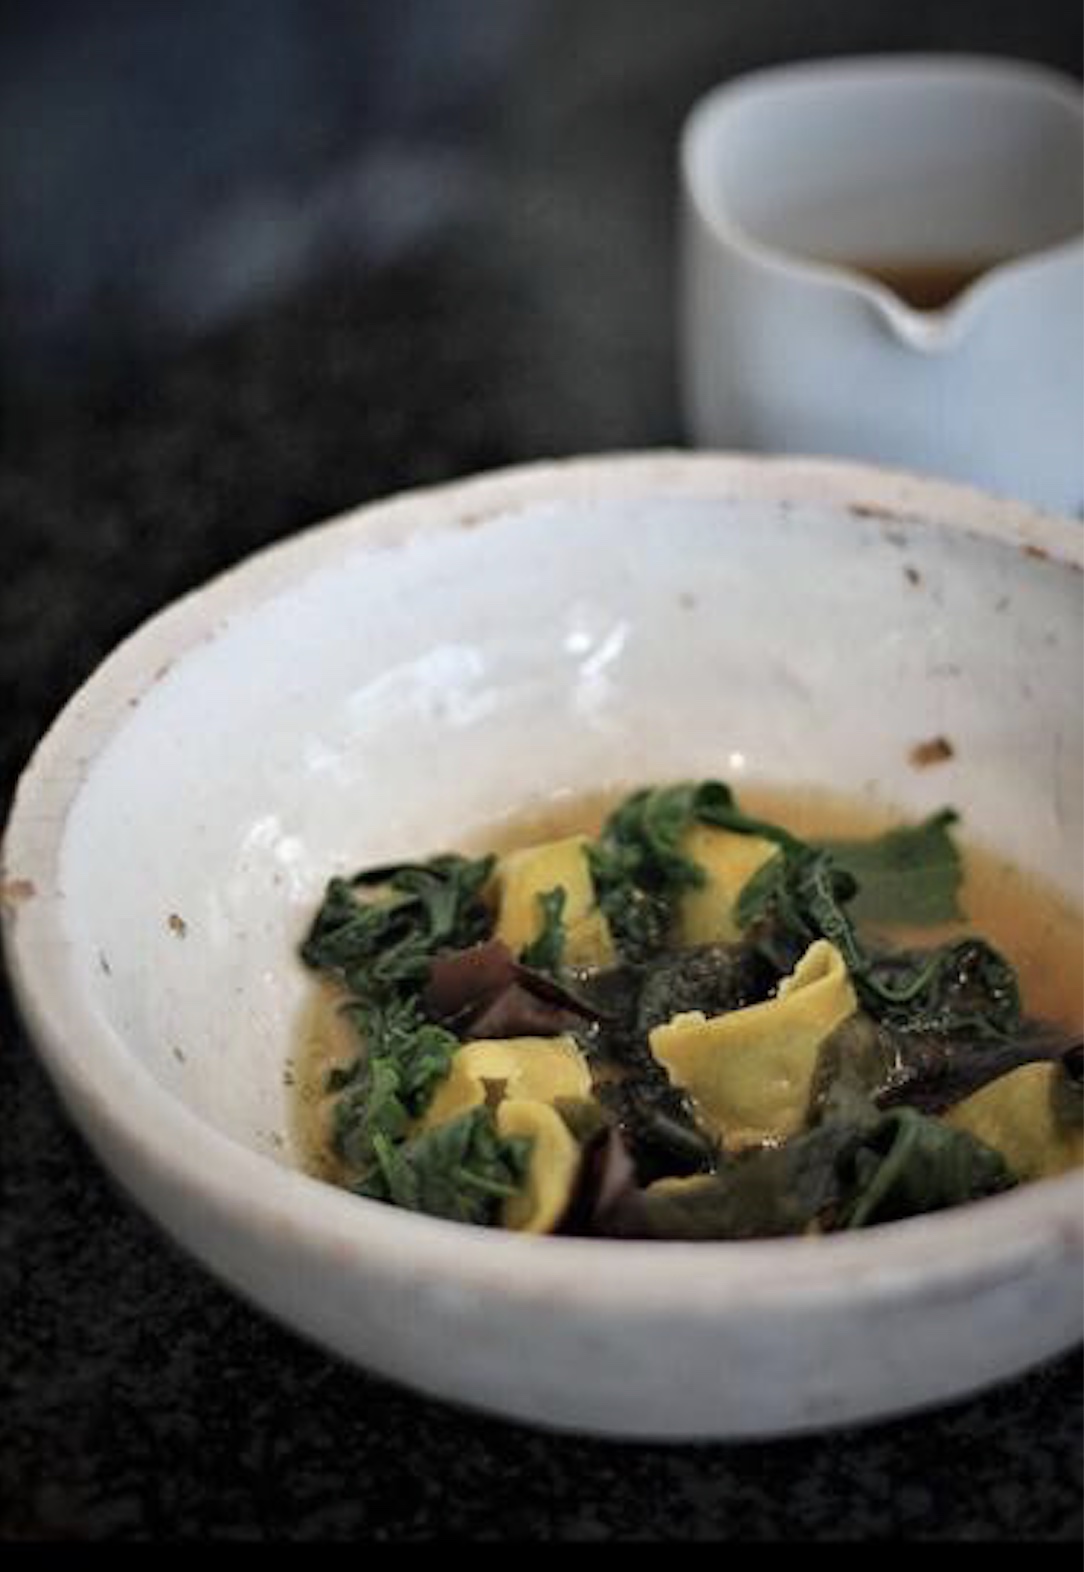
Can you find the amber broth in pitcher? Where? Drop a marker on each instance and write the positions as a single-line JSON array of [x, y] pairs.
[[927, 286]]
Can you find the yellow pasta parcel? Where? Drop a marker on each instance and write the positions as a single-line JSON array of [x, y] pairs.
[[524, 876], [750, 1072], [1032, 1116], [534, 1069], [552, 1170], [706, 914]]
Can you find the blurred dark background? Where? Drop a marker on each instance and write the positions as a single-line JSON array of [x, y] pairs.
[[261, 260], [168, 169]]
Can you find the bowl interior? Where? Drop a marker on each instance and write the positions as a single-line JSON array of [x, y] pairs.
[[397, 696]]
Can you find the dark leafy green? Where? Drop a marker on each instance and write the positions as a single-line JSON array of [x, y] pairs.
[[909, 876], [380, 933], [655, 1117], [713, 978], [391, 1083], [910, 1164], [903, 1161], [770, 1193], [420, 1051], [379, 930], [965, 986], [659, 1124], [962, 988], [546, 953], [797, 898], [462, 1170], [639, 868], [856, 1065], [856, 1167]]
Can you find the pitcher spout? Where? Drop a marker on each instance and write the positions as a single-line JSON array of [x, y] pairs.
[[927, 332]]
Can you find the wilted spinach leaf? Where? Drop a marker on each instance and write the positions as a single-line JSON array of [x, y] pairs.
[[420, 1051], [910, 1164], [903, 1162], [855, 1066], [846, 1172], [797, 898], [764, 1194], [964, 986], [461, 1170], [392, 1082], [546, 952], [659, 1125], [379, 930], [639, 868], [392, 951], [712, 978], [910, 875]]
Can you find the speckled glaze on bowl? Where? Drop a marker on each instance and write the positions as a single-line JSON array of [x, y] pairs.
[[403, 677]]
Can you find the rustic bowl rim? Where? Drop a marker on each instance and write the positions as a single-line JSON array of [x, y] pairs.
[[91, 1064]]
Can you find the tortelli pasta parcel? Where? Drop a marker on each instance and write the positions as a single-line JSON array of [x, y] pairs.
[[684, 1017]]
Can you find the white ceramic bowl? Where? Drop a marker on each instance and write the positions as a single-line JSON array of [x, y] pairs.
[[399, 678]]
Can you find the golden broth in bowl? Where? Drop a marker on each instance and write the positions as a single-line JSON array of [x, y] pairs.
[[1006, 1103]]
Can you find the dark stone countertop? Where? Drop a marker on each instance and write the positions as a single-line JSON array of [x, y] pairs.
[[524, 314]]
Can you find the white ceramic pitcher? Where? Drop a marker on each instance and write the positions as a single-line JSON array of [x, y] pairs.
[[797, 178]]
